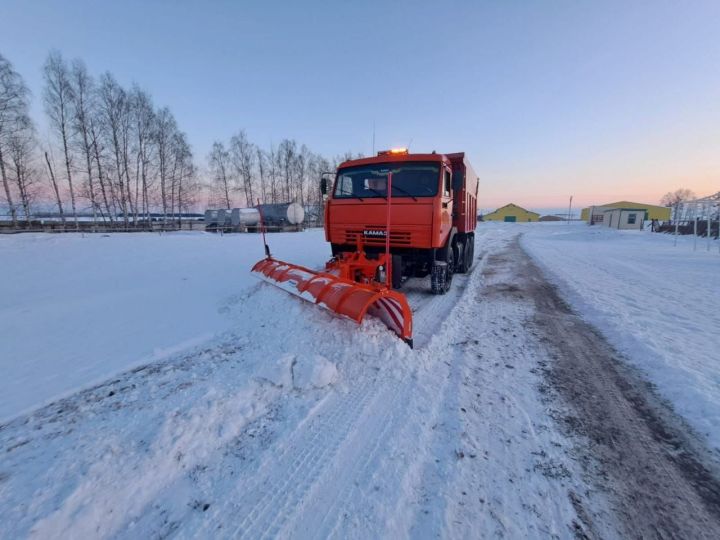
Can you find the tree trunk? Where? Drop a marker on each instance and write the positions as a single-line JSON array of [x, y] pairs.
[[91, 186], [8, 195], [227, 189], [101, 180], [118, 165], [24, 196], [69, 175], [146, 200], [55, 188]]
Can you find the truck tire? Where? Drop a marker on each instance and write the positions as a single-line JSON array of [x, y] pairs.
[[442, 271], [450, 269], [470, 248], [397, 271], [335, 249], [462, 256], [437, 277]]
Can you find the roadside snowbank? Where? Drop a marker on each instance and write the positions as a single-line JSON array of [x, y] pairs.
[[74, 309], [657, 303]]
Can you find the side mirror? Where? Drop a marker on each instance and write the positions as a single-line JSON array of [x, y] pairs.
[[323, 185]]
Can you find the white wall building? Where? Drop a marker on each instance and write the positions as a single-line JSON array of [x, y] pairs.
[[624, 218]]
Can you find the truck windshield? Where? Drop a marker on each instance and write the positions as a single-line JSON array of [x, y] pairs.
[[368, 181]]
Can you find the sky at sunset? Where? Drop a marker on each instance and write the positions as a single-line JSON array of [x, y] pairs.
[[600, 100]]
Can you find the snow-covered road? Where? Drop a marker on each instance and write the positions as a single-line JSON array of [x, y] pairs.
[[511, 418], [657, 303]]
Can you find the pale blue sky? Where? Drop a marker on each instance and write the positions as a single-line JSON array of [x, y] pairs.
[[604, 100]]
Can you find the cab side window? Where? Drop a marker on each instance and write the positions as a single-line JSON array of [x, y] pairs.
[[344, 186], [447, 183]]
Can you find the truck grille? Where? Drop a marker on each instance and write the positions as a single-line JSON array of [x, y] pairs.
[[373, 235]]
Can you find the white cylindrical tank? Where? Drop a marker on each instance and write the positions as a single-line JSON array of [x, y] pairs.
[[245, 217], [295, 213]]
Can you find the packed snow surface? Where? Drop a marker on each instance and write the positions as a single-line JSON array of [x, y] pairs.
[[290, 421], [197, 401], [657, 302]]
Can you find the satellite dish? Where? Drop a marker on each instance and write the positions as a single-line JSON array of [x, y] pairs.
[[295, 213]]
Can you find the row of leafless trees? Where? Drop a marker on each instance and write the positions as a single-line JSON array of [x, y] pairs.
[[111, 152], [241, 173]]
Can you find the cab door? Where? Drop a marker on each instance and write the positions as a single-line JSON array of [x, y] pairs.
[[446, 203]]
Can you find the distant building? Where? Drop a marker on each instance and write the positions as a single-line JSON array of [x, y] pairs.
[[651, 211], [511, 213], [553, 218], [594, 215], [624, 218]]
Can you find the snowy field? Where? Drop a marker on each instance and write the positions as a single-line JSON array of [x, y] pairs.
[[74, 309], [657, 303], [198, 401]]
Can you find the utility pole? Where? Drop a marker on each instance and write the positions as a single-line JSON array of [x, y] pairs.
[[709, 225], [569, 210]]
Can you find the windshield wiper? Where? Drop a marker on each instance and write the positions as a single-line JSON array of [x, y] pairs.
[[414, 198], [376, 192]]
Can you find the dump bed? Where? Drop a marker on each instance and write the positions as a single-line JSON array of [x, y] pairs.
[[465, 188]]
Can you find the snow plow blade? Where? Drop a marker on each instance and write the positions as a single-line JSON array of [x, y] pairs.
[[343, 296]]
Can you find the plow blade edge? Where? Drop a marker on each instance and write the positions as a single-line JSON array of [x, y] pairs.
[[342, 296]]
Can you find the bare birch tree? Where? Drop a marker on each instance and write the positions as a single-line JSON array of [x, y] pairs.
[[243, 160], [14, 98], [21, 149], [273, 167], [144, 123], [164, 129], [83, 105], [114, 112], [57, 97], [286, 158], [185, 174], [219, 162], [106, 188], [262, 174]]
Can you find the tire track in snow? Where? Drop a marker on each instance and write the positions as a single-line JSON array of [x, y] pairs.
[[663, 482], [281, 483], [429, 308], [341, 483]]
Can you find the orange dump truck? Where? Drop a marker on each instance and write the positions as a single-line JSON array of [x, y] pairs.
[[432, 216]]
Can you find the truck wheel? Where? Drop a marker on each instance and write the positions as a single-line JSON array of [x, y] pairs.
[[470, 249], [462, 257], [442, 271], [437, 277], [397, 271], [450, 269]]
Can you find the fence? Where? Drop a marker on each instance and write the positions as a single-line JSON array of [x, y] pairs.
[[69, 226], [685, 227]]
